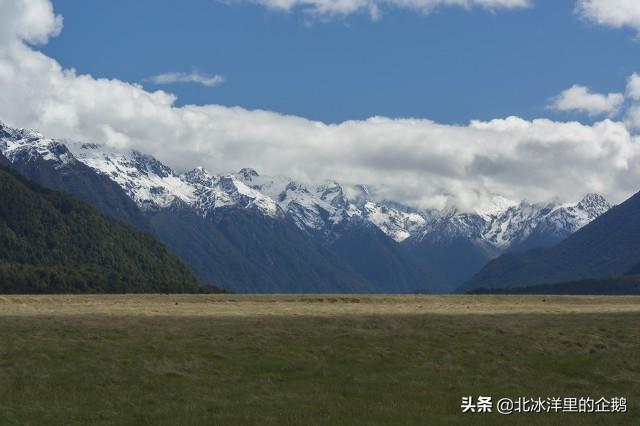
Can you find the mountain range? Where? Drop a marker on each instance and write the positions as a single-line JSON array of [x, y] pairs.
[[253, 233], [608, 247], [55, 243]]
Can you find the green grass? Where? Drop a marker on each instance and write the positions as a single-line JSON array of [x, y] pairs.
[[249, 366]]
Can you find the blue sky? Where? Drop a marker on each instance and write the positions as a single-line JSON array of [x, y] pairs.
[[451, 65]]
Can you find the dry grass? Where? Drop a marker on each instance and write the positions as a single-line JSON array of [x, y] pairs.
[[309, 305]]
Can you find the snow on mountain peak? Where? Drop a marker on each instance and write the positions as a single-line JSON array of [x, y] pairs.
[[198, 176], [248, 174], [19, 133], [316, 207], [594, 205], [398, 224], [228, 191], [497, 205], [333, 193], [28, 145], [151, 184]]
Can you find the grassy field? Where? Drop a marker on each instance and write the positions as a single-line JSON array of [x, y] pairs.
[[277, 360]]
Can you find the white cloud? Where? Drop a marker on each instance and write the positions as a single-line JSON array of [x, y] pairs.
[[580, 99], [373, 7], [633, 87], [611, 13], [33, 21], [183, 77], [632, 118], [410, 160]]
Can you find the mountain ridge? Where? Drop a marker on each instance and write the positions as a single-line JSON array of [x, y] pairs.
[[447, 245], [606, 247], [52, 242], [315, 207]]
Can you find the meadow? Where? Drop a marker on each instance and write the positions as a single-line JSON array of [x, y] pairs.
[[325, 360]]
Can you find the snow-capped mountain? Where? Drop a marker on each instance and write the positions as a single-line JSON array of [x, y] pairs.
[[312, 207], [316, 208], [153, 185], [517, 223], [396, 221], [511, 225], [26, 145]]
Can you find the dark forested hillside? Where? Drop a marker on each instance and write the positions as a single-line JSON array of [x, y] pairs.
[[388, 266], [635, 270], [248, 252], [54, 243], [627, 285], [607, 247], [452, 261], [80, 180]]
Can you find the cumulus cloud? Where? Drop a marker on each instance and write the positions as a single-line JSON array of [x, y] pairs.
[[183, 77], [415, 161], [32, 22], [633, 87], [374, 7], [612, 13], [632, 118], [580, 99]]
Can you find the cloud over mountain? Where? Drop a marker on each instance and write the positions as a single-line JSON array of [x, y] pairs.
[[411, 160]]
